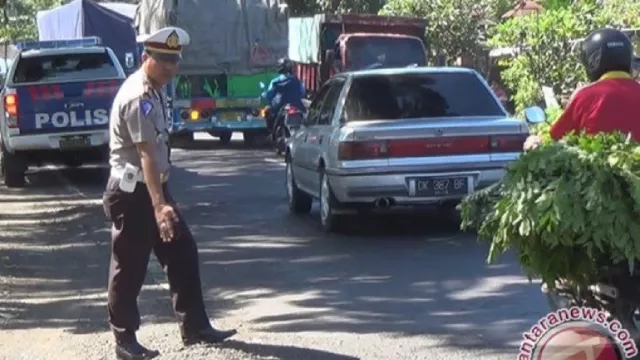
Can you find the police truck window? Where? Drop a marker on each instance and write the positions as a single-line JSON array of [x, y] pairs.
[[65, 67]]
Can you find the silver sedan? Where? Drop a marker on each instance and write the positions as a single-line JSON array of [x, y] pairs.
[[399, 137]]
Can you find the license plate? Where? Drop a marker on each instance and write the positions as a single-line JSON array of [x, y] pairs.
[[71, 142], [440, 186], [231, 116]]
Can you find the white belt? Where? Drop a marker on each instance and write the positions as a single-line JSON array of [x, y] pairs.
[[139, 177]]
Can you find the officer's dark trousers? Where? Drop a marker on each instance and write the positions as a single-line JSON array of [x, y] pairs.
[[134, 234]]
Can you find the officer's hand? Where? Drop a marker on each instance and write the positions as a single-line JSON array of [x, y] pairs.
[[166, 218]]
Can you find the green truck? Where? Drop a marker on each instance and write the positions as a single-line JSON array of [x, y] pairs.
[[234, 46]]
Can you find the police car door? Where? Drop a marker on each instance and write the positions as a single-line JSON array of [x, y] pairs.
[[65, 90]]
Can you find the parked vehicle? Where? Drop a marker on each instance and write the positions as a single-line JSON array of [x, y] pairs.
[[55, 105], [234, 46], [398, 137], [325, 44]]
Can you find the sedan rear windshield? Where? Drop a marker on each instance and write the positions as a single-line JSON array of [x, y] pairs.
[[65, 67], [407, 96]]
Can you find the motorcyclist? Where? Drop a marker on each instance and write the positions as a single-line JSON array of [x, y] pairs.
[[611, 102], [284, 89]]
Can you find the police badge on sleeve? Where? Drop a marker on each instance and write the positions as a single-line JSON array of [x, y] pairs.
[[146, 106]]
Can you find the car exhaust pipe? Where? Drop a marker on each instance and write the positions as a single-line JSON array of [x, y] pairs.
[[383, 203]]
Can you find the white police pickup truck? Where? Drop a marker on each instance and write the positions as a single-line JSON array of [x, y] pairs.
[[55, 105]]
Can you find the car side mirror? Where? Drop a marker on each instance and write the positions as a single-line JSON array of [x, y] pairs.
[[535, 115]]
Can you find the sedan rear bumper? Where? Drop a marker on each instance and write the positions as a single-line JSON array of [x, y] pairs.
[[398, 187]]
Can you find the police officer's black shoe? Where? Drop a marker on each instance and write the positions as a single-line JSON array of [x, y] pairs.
[[207, 336], [132, 350]]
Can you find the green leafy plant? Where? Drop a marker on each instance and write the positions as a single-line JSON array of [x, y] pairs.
[[567, 208]]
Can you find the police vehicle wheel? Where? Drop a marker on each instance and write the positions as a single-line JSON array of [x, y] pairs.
[[299, 202], [11, 169], [225, 137]]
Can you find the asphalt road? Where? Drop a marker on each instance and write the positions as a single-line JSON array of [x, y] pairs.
[[395, 287]]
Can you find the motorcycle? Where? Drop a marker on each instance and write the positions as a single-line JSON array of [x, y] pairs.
[[616, 292], [616, 288], [285, 123]]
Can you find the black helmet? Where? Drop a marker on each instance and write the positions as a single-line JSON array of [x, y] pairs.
[[606, 50], [285, 66]]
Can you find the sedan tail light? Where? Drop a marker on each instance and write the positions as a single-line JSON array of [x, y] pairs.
[[363, 150], [508, 143]]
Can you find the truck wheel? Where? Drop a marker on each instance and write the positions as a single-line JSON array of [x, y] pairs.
[[12, 169], [181, 139], [249, 139], [225, 137]]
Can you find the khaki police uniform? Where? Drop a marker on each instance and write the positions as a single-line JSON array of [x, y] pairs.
[[139, 115]]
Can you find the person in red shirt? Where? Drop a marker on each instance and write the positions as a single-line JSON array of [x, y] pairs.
[[612, 101]]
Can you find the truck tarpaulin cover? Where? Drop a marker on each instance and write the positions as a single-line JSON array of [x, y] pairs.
[[233, 36], [81, 18], [304, 35]]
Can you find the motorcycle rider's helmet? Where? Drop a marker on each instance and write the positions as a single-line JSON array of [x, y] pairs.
[[285, 66], [606, 50]]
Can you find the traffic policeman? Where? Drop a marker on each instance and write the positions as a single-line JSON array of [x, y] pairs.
[[138, 202]]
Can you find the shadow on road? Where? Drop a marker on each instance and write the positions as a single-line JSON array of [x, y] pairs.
[[283, 352], [403, 275], [217, 145]]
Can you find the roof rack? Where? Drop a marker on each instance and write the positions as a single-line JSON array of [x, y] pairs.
[[57, 44]]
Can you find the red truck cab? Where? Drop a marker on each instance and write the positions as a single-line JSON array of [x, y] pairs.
[[323, 45], [360, 51]]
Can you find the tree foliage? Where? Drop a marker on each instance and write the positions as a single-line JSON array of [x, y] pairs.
[[306, 8], [18, 20], [548, 50], [455, 28]]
